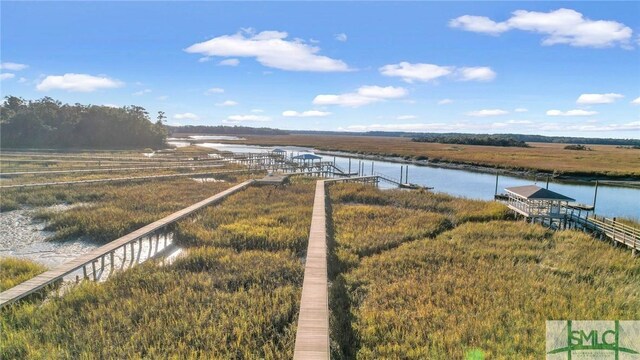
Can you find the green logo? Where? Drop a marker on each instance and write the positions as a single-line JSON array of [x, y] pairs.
[[593, 340]]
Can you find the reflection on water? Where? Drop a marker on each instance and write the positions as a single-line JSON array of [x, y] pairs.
[[612, 201], [23, 237], [215, 137]]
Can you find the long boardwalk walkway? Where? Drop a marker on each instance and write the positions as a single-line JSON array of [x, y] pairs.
[[312, 337]]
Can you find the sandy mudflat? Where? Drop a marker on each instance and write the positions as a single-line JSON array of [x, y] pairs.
[[23, 237]]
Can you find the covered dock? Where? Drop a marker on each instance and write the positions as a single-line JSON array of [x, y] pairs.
[[307, 158], [537, 204]]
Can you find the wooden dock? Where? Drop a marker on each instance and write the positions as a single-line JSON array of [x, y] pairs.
[[90, 259], [312, 336]]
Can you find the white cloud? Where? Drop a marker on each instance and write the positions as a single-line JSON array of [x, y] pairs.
[[12, 66], [257, 111], [6, 76], [77, 83], [341, 37], [636, 101], [387, 92], [479, 24], [141, 92], [229, 62], [246, 118], [520, 110], [406, 117], [363, 96], [204, 59], [214, 90], [445, 101], [415, 72], [480, 73], [308, 113], [487, 112], [162, 97], [271, 49], [598, 98], [111, 105], [186, 116], [562, 26], [429, 72], [227, 103], [577, 112]]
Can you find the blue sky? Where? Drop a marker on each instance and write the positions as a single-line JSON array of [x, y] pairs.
[[554, 68]]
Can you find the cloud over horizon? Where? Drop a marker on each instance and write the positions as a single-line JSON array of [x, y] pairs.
[[77, 83], [308, 113]]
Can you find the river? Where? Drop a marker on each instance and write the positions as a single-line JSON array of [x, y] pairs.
[[611, 201]]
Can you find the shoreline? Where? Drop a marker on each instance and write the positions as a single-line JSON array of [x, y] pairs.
[[527, 174]]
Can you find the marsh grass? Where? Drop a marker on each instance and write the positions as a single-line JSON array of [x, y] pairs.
[[13, 271], [112, 210], [484, 287], [136, 172], [177, 311], [217, 300], [277, 219]]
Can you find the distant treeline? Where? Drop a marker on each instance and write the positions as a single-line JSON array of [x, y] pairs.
[[487, 140], [224, 130], [518, 137], [48, 123]]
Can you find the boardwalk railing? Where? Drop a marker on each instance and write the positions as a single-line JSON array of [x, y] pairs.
[[532, 208], [389, 179], [614, 230], [97, 261]]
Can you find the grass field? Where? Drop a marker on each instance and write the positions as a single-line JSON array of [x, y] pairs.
[[464, 283], [604, 160], [231, 297], [108, 211]]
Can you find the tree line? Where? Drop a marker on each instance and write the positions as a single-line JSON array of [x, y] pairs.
[[48, 123], [224, 130], [487, 140]]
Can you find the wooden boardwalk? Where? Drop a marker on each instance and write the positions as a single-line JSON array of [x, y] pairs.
[[134, 178], [312, 336], [52, 276]]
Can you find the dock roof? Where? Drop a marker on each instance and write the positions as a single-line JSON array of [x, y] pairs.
[[307, 157], [533, 192]]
